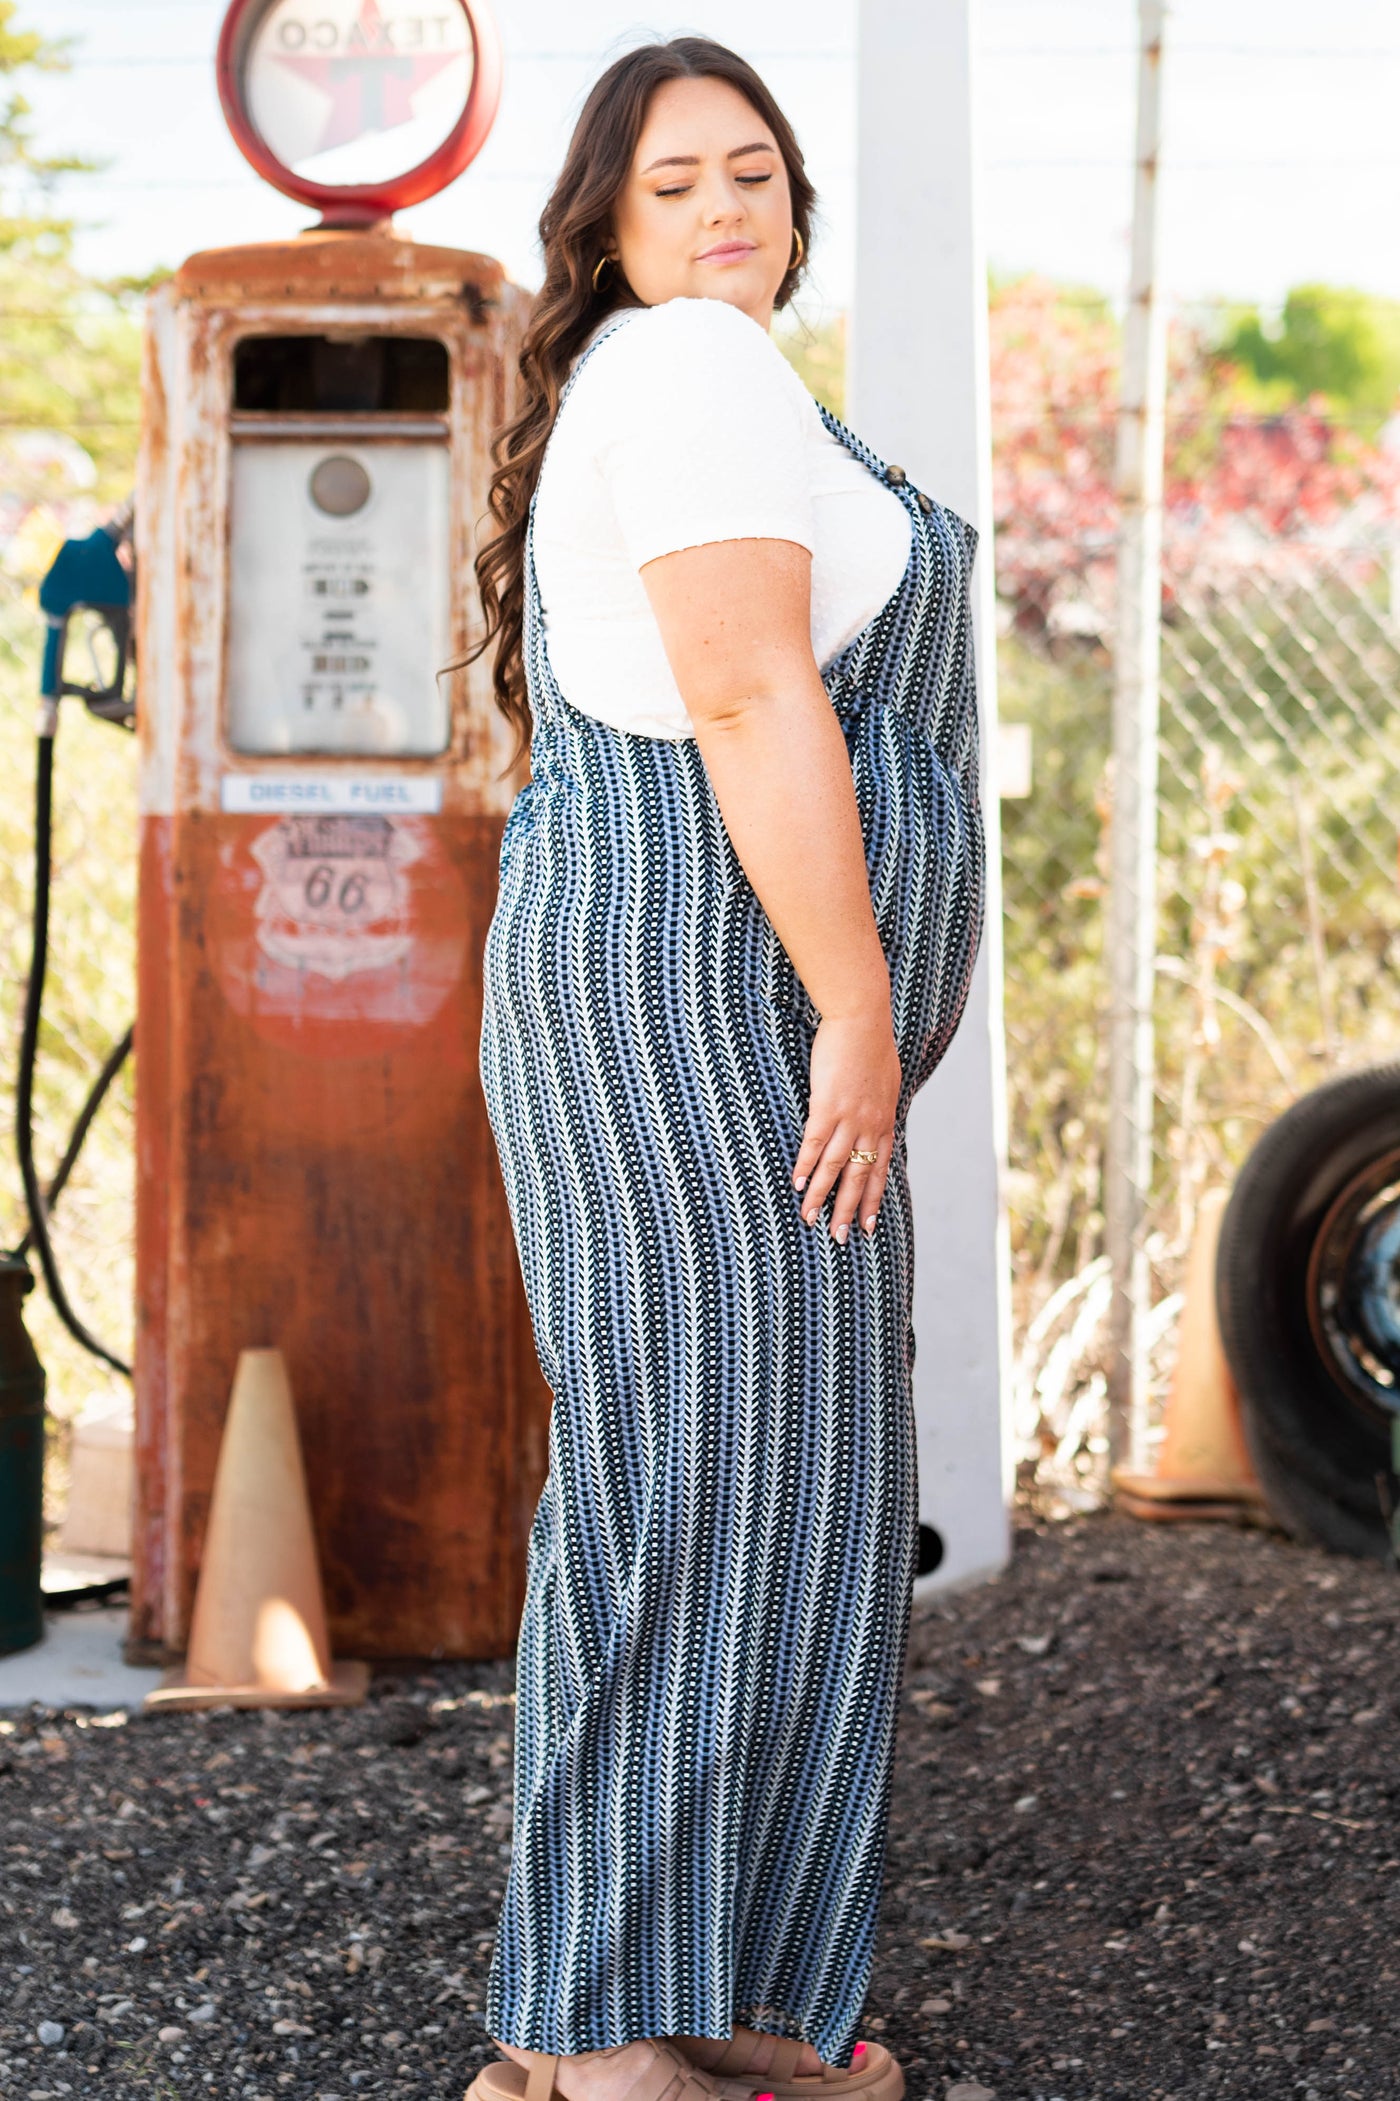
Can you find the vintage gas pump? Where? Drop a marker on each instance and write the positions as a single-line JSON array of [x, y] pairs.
[[321, 814]]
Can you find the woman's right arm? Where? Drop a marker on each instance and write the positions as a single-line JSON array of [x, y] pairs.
[[706, 451], [735, 617]]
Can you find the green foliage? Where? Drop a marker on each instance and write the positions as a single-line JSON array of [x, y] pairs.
[[1053, 844], [69, 357], [1330, 340], [89, 1000], [69, 348], [28, 228], [818, 355]]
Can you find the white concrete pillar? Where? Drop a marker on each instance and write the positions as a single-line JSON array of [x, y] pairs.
[[918, 392]]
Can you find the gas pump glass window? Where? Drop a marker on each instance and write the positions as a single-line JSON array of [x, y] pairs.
[[355, 91], [339, 603]]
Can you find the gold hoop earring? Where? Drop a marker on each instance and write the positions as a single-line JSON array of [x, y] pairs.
[[801, 250], [598, 267]]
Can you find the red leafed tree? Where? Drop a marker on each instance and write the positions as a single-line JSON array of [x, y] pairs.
[[1240, 487]]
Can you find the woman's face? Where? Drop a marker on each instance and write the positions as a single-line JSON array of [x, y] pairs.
[[705, 212]]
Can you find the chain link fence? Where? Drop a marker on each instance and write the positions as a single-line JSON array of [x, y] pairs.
[[1278, 900]]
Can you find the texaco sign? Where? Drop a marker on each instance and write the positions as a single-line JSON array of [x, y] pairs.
[[359, 106]]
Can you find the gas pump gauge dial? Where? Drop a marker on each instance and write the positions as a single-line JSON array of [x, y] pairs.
[[359, 106]]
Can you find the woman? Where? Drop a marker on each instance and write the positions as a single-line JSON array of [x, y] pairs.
[[740, 901]]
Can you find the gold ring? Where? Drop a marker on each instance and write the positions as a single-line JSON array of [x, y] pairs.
[[857, 1154]]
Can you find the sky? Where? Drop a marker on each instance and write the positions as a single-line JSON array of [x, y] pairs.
[[1281, 162]]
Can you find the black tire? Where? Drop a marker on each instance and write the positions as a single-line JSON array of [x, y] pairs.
[[1305, 1296]]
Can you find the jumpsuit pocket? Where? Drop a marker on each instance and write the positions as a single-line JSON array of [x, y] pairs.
[[779, 983], [770, 973]]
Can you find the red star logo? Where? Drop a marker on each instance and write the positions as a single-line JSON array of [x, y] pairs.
[[371, 86]]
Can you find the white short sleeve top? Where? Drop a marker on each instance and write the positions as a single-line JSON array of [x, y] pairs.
[[688, 425]]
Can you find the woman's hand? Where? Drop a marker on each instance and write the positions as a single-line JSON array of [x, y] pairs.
[[856, 1076]]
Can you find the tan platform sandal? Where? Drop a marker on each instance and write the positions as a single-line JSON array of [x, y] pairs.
[[874, 2073], [670, 2076]]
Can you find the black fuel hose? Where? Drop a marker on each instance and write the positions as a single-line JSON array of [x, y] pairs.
[[97, 1094], [38, 1234]]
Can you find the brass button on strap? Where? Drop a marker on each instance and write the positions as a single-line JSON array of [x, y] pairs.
[[896, 475], [925, 503]]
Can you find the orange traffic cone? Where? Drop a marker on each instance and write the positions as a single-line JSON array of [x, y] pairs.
[[258, 1629], [1203, 1468]]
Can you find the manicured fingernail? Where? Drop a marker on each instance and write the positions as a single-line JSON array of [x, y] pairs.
[[858, 2048], [801, 1182], [809, 1216], [839, 1233], [869, 1227]]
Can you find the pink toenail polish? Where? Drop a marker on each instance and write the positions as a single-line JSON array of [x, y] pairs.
[[858, 2048]]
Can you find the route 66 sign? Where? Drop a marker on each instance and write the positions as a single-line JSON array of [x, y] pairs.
[[359, 106], [333, 899]]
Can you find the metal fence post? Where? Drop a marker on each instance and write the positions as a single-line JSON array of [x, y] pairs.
[[1132, 927]]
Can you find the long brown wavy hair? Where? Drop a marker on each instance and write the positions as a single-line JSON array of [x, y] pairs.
[[574, 227]]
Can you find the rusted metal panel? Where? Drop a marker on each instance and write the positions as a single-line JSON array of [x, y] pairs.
[[197, 334], [328, 265], [316, 1171]]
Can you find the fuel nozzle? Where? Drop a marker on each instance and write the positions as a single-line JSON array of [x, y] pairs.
[[86, 601]]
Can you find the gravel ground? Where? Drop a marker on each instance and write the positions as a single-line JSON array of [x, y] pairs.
[[1144, 1844]]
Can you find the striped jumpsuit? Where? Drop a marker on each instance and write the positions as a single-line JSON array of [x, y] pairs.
[[719, 1571]]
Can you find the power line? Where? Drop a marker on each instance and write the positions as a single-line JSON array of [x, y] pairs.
[[1240, 163], [847, 54], [101, 61], [1255, 51], [251, 181], [1171, 165]]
